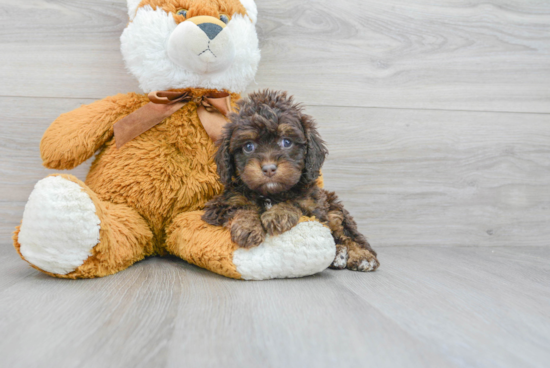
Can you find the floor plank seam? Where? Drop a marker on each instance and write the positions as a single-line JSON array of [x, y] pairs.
[[317, 105], [55, 97], [424, 109]]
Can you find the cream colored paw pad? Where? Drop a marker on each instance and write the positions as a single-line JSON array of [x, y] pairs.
[[305, 250], [60, 226]]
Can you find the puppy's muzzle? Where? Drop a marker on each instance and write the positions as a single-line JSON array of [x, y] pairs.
[[269, 169]]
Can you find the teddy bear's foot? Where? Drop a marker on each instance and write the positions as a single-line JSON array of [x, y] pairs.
[[67, 231], [306, 249], [60, 226]]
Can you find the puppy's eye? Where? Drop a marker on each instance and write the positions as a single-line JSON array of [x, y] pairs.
[[182, 12], [286, 143], [249, 147], [224, 18]]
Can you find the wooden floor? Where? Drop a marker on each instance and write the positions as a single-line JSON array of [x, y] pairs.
[[437, 117], [426, 307]]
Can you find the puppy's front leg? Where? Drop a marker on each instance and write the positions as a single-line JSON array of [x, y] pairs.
[[246, 229], [280, 218]]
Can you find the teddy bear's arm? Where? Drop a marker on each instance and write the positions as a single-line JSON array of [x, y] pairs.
[[75, 136]]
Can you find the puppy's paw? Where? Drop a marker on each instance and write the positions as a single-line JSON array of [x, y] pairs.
[[361, 259], [341, 260], [247, 234], [281, 218]]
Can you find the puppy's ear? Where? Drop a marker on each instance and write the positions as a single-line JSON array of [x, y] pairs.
[[224, 159], [316, 150]]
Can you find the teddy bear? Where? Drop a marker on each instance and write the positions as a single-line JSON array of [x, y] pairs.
[[154, 170]]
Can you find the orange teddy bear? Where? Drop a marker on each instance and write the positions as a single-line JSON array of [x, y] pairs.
[[154, 170]]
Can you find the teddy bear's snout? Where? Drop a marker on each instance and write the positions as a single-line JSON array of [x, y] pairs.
[[202, 44], [211, 30]]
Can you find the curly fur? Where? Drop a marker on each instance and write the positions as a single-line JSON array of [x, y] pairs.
[[257, 202]]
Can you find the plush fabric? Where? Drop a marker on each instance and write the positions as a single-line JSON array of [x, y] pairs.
[[204, 245], [304, 250], [124, 237], [60, 213], [146, 197], [150, 55]]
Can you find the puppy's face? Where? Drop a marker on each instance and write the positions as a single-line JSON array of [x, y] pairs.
[[270, 145], [269, 159]]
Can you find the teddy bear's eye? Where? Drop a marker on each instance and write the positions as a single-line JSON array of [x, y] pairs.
[[182, 12], [249, 147], [224, 18]]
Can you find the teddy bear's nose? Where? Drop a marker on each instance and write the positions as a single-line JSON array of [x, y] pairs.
[[211, 29]]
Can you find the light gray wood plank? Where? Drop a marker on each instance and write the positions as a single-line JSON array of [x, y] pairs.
[[465, 55], [162, 312], [14, 269], [415, 177], [481, 307], [453, 54], [426, 306], [316, 317], [63, 48], [410, 177]]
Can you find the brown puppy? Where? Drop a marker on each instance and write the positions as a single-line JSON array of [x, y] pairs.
[[269, 160]]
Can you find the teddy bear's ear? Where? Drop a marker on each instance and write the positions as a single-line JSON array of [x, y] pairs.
[[251, 9], [132, 8]]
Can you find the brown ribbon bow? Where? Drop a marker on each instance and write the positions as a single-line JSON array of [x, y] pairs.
[[213, 110]]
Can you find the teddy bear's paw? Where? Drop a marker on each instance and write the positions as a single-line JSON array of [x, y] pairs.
[[362, 260], [306, 249], [60, 226]]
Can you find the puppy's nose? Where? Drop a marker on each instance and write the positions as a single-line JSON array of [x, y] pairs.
[[269, 169], [211, 29]]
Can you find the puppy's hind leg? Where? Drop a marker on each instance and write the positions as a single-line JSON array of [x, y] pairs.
[[353, 250]]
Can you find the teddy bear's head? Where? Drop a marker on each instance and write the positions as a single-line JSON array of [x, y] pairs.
[[173, 44]]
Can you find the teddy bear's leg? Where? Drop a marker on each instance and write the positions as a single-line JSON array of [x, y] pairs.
[[306, 249], [68, 232]]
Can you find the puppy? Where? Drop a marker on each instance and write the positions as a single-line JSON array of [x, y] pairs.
[[269, 160]]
